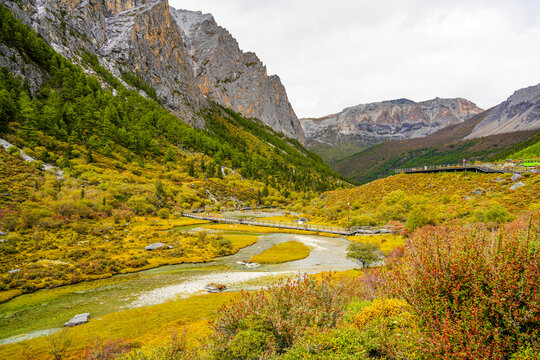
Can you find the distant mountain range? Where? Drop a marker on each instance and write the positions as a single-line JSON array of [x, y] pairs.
[[445, 146], [358, 127]]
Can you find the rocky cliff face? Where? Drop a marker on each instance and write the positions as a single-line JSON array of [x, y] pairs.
[[135, 36], [185, 56], [520, 112], [369, 124], [233, 78]]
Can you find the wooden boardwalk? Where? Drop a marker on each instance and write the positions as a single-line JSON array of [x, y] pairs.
[[363, 230], [484, 168]]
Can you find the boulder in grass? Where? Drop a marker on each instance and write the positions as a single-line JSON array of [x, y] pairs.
[[158, 245], [479, 191], [515, 177], [517, 185], [78, 320]]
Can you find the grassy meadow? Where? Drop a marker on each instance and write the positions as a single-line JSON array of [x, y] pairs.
[[283, 252]]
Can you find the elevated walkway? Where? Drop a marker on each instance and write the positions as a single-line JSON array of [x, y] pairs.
[[483, 168], [363, 230]]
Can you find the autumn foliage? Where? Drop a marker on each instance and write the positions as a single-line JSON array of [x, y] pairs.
[[474, 291]]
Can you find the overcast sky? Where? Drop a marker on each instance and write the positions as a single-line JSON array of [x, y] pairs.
[[334, 54]]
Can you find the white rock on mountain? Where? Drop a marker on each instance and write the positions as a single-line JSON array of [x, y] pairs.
[[520, 112], [373, 123]]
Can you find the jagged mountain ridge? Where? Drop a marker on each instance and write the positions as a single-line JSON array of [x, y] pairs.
[[141, 36], [369, 124], [234, 78], [520, 112]]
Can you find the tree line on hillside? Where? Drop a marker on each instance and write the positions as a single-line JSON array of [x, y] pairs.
[[75, 108]]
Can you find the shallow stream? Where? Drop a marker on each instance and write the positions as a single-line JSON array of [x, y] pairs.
[[43, 312]]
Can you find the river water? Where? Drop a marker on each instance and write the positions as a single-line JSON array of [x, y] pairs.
[[43, 312]]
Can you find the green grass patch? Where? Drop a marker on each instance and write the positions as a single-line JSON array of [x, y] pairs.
[[284, 252]]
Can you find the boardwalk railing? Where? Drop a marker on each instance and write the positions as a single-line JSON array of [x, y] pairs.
[[485, 168], [363, 230], [245, 208]]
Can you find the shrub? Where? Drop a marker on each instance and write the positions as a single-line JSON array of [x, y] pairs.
[[13, 150], [120, 215], [163, 213], [108, 350], [419, 216], [364, 254], [363, 220], [73, 209], [30, 216], [474, 291], [136, 262], [10, 223], [496, 214], [140, 205], [381, 308], [274, 319]]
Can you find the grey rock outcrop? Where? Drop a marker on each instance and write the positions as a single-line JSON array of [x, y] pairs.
[[517, 185], [135, 36], [233, 78], [78, 320], [479, 191], [156, 246], [519, 112], [370, 124], [515, 177]]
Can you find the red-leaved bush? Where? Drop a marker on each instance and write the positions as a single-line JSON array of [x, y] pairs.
[[275, 318], [474, 291]]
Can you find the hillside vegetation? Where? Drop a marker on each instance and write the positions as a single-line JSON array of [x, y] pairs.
[[442, 147], [415, 200]]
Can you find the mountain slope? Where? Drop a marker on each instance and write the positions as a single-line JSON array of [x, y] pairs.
[[357, 127], [75, 108], [519, 112], [444, 146], [145, 48], [117, 158]]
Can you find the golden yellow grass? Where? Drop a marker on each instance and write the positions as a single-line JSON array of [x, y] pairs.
[[155, 223], [263, 230], [122, 242], [241, 241], [284, 252], [9, 294], [151, 326], [387, 243], [449, 196]]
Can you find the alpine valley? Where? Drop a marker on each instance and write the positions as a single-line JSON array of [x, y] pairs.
[[161, 200]]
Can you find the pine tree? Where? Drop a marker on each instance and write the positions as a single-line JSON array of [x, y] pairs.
[[160, 195]]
